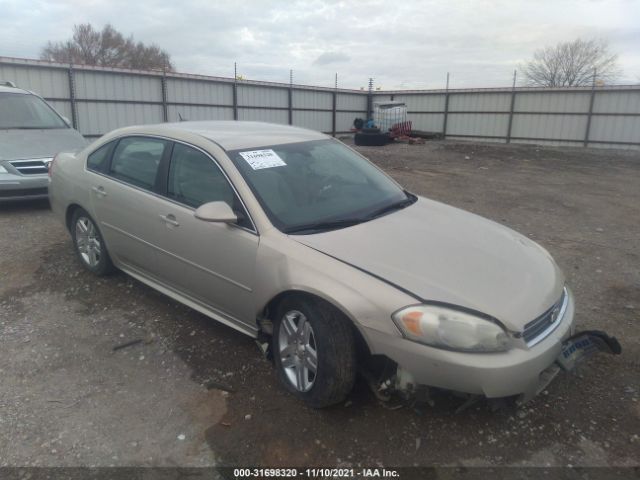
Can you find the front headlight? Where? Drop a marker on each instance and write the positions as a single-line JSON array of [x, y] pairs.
[[450, 329]]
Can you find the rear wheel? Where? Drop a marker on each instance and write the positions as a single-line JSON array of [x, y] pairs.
[[313, 349], [89, 244]]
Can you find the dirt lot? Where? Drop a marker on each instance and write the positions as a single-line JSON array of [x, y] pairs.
[[68, 399]]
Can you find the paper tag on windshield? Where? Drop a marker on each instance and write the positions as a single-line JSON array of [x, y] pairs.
[[259, 159]]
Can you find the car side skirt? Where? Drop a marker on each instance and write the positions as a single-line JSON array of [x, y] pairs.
[[189, 301]]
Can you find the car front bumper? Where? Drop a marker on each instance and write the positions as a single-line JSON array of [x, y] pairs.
[[22, 187], [520, 371]]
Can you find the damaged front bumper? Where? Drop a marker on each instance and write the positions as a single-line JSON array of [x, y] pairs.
[[574, 350], [519, 372], [584, 344]]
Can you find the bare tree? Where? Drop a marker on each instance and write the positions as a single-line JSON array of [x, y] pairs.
[[106, 48], [572, 64]]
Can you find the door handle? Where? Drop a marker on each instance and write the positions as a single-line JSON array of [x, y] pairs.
[[99, 191], [170, 219]]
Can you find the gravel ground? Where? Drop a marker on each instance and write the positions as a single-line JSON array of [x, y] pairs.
[[193, 392]]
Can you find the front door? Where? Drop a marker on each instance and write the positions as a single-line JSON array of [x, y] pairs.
[[213, 263]]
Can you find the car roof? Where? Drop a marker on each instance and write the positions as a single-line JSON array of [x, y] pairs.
[[7, 89], [232, 135]]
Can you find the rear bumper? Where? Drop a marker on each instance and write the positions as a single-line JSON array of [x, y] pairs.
[[18, 187], [518, 371]]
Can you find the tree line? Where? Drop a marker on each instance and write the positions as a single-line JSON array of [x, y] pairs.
[[106, 48]]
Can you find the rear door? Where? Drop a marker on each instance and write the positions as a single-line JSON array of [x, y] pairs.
[[124, 198], [212, 263]]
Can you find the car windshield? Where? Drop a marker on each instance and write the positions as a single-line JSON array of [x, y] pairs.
[[316, 186], [20, 111]]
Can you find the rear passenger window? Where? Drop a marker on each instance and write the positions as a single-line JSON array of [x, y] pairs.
[[97, 161], [136, 161]]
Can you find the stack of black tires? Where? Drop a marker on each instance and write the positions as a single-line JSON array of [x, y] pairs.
[[371, 137]]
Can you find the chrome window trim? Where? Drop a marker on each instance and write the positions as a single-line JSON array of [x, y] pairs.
[[253, 231], [35, 159]]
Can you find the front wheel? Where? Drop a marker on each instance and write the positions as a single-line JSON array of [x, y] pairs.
[[89, 244], [313, 349]]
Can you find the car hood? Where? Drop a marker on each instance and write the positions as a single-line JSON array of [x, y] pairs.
[[41, 143], [441, 253]]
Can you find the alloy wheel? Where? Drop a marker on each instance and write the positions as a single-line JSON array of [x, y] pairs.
[[298, 351], [88, 242]]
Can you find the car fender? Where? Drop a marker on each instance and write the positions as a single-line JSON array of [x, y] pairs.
[[284, 265]]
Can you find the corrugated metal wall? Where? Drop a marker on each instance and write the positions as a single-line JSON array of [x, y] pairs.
[[99, 100], [600, 117], [349, 106]]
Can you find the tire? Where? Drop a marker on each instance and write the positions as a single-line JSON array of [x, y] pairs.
[[371, 139], [330, 336], [371, 130], [89, 244]]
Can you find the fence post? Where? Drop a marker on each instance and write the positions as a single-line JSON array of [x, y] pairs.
[[370, 100], [589, 115], [513, 102], [235, 91], [335, 104], [446, 109], [72, 96], [163, 86], [290, 96]]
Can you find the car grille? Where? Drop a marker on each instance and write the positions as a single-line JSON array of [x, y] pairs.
[[32, 167], [538, 329]]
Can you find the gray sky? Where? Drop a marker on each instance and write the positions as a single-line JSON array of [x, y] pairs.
[[402, 44]]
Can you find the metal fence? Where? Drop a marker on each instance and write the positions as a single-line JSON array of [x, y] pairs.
[[588, 116], [98, 100]]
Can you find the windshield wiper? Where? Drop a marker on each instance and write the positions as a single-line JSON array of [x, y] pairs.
[[348, 222], [324, 226], [411, 198]]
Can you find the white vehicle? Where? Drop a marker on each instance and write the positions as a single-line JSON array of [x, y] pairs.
[[31, 133]]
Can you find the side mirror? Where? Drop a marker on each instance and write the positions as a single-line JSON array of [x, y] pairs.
[[66, 120], [219, 212]]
